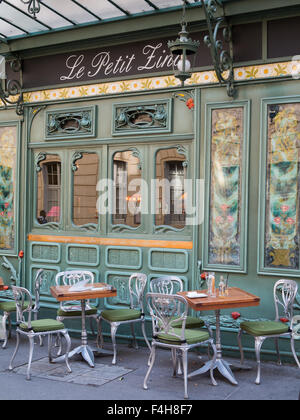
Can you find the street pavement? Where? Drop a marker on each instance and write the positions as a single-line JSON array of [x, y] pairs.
[[124, 382]]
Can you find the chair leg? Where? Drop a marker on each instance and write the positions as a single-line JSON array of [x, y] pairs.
[[258, 343], [144, 334], [4, 319], [152, 360], [294, 352], [185, 368], [99, 339], [277, 351], [31, 347], [10, 367], [135, 344], [240, 333], [68, 340], [113, 329], [174, 360]]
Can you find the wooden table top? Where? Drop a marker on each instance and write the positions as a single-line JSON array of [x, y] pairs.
[[237, 298], [62, 293]]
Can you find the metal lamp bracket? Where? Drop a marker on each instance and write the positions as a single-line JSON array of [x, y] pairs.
[[222, 59], [13, 94]]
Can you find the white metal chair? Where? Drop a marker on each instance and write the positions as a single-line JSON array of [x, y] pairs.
[[172, 285], [132, 315], [72, 309], [285, 292], [295, 327], [35, 328], [169, 315], [9, 307]]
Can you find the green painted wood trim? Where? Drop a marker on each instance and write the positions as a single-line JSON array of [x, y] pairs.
[[184, 252], [45, 260], [83, 263], [126, 266], [242, 268], [265, 102]]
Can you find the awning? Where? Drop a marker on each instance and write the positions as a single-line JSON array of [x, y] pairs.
[[55, 15]]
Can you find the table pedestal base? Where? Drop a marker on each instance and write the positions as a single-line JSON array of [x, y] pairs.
[[87, 354], [222, 366]]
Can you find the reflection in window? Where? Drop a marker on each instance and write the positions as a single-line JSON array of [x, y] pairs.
[[8, 159], [84, 190], [283, 187], [127, 185], [49, 190], [170, 176]]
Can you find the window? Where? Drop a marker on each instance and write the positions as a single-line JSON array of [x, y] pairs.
[[49, 190], [8, 169], [127, 189], [170, 191], [282, 187], [85, 178]]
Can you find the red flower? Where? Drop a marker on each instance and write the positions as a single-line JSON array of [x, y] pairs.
[[21, 254], [203, 276], [284, 320], [235, 315], [190, 103], [277, 220]]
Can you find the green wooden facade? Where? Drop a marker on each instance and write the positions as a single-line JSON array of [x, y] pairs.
[[114, 251]]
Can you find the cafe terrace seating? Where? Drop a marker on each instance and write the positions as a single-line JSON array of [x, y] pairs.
[[285, 292], [132, 315], [169, 315], [35, 328]]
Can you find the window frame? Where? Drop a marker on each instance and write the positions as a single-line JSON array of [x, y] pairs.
[[261, 269], [243, 266], [14, 251]]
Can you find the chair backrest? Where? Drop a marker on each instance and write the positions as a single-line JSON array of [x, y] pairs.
[[285, 292], [295, 327], [22, 296], [39, 278], [137, 283], [69, 278], [166, 284], [166, 311]]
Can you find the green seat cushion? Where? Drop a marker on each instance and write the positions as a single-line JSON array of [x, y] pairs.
[[191, 322], [117, 315], [262, 328], [191, 336], [10, 306], [43, 325], [76, 312]]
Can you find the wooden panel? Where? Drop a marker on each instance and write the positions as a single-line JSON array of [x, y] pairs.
[[118, 257], [112, 241], [169, 261]]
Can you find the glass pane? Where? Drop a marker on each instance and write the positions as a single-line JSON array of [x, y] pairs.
[[84, 190], [170, 193], [8, 161], [49, 190], [163, 4], [132, 6], [225, 187], [283, 187], [127, 189]]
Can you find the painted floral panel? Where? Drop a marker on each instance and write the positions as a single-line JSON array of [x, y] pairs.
[[283, 187], [225, 187], [8, 158]]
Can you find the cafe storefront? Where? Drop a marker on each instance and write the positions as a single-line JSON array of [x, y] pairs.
[[114, 167]]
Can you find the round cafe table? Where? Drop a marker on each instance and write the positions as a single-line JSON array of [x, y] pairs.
[[98, 290], [237, 298]]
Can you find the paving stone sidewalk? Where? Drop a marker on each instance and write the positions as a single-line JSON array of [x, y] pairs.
[[124, 382]]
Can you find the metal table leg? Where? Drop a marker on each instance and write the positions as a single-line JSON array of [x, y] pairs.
[[84, 349], [220, 364]]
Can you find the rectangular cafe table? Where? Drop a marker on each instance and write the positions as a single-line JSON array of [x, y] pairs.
[[63, 294], [237, 298]]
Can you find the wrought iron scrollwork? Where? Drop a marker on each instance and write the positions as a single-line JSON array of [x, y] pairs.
[[12, 94], [34, 6], [222, 59]]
